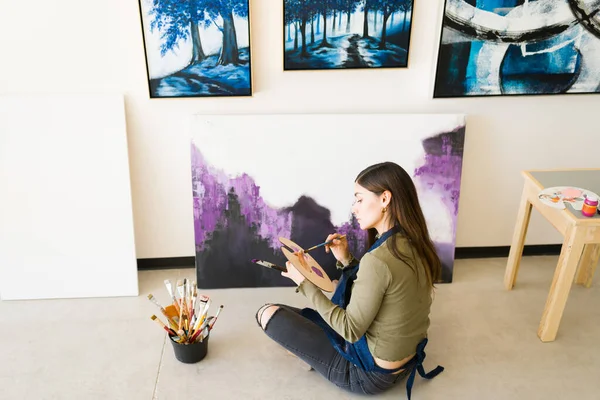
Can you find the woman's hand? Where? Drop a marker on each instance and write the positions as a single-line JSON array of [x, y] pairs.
[[339, 248], [293, 274]]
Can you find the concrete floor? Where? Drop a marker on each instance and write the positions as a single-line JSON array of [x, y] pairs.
[[484, 336]]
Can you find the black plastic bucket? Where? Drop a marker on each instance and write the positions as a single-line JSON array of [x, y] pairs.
[[190, 353]]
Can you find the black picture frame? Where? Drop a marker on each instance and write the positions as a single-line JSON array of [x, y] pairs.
[[360, 51], [448, 82], [226, 72]]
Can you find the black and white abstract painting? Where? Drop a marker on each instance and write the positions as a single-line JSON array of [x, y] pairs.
[[519, 47]]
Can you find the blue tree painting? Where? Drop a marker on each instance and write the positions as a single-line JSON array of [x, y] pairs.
[[519, 47], [197, 48], [337, 34]]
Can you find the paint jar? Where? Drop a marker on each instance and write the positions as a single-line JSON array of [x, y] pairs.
[[190, 353], [590, 205]]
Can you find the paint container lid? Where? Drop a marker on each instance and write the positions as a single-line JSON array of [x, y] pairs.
[[591, 198]]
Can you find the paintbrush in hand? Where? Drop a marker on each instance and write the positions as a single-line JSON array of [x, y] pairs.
[[269, 265], [324, 243]]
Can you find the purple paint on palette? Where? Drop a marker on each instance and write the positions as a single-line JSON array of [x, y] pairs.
[[317, 271]]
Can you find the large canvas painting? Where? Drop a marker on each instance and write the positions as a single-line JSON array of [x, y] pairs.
[[516, 47], [337, 34], [197, 48], [250, 188]]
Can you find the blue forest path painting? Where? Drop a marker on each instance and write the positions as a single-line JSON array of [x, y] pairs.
[[338, 34], [197, 47]]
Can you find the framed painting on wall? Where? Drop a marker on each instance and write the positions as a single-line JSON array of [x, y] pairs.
[[197, 48], [515, 47], [250, 190], [343, 34]]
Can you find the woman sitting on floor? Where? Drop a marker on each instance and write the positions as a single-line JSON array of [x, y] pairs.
[[372, 333]]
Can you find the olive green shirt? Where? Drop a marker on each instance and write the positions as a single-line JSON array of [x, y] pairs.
[[388, 304]]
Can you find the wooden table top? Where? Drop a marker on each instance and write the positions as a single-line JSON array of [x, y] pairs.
[[588, 179]]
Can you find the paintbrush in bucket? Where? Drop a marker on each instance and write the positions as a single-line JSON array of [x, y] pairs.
[[162, 324], [169, 286], [162, 310]]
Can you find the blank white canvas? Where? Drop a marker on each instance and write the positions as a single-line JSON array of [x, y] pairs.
[[66, 222]]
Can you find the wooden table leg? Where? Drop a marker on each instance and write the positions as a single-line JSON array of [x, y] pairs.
[[518, 241], [561, 284], [587, 265]]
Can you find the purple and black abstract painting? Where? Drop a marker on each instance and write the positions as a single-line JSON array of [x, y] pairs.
[[237, 218]]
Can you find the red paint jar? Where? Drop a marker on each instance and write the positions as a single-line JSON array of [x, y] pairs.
[[590, 205]]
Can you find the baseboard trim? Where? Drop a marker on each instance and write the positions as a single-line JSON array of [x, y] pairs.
[[460, 253], [502, 251], [166, 263]]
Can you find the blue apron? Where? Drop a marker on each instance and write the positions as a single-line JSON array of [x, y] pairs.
[[358, 353]]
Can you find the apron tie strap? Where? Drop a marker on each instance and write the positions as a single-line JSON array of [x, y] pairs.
[[418, 367]]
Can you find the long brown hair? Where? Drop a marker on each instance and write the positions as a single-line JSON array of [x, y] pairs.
[[404, 211]]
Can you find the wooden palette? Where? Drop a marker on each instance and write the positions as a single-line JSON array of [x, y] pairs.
[[290, 244], [307, 265]]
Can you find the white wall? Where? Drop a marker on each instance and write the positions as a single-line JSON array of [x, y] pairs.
[[91, 46]]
